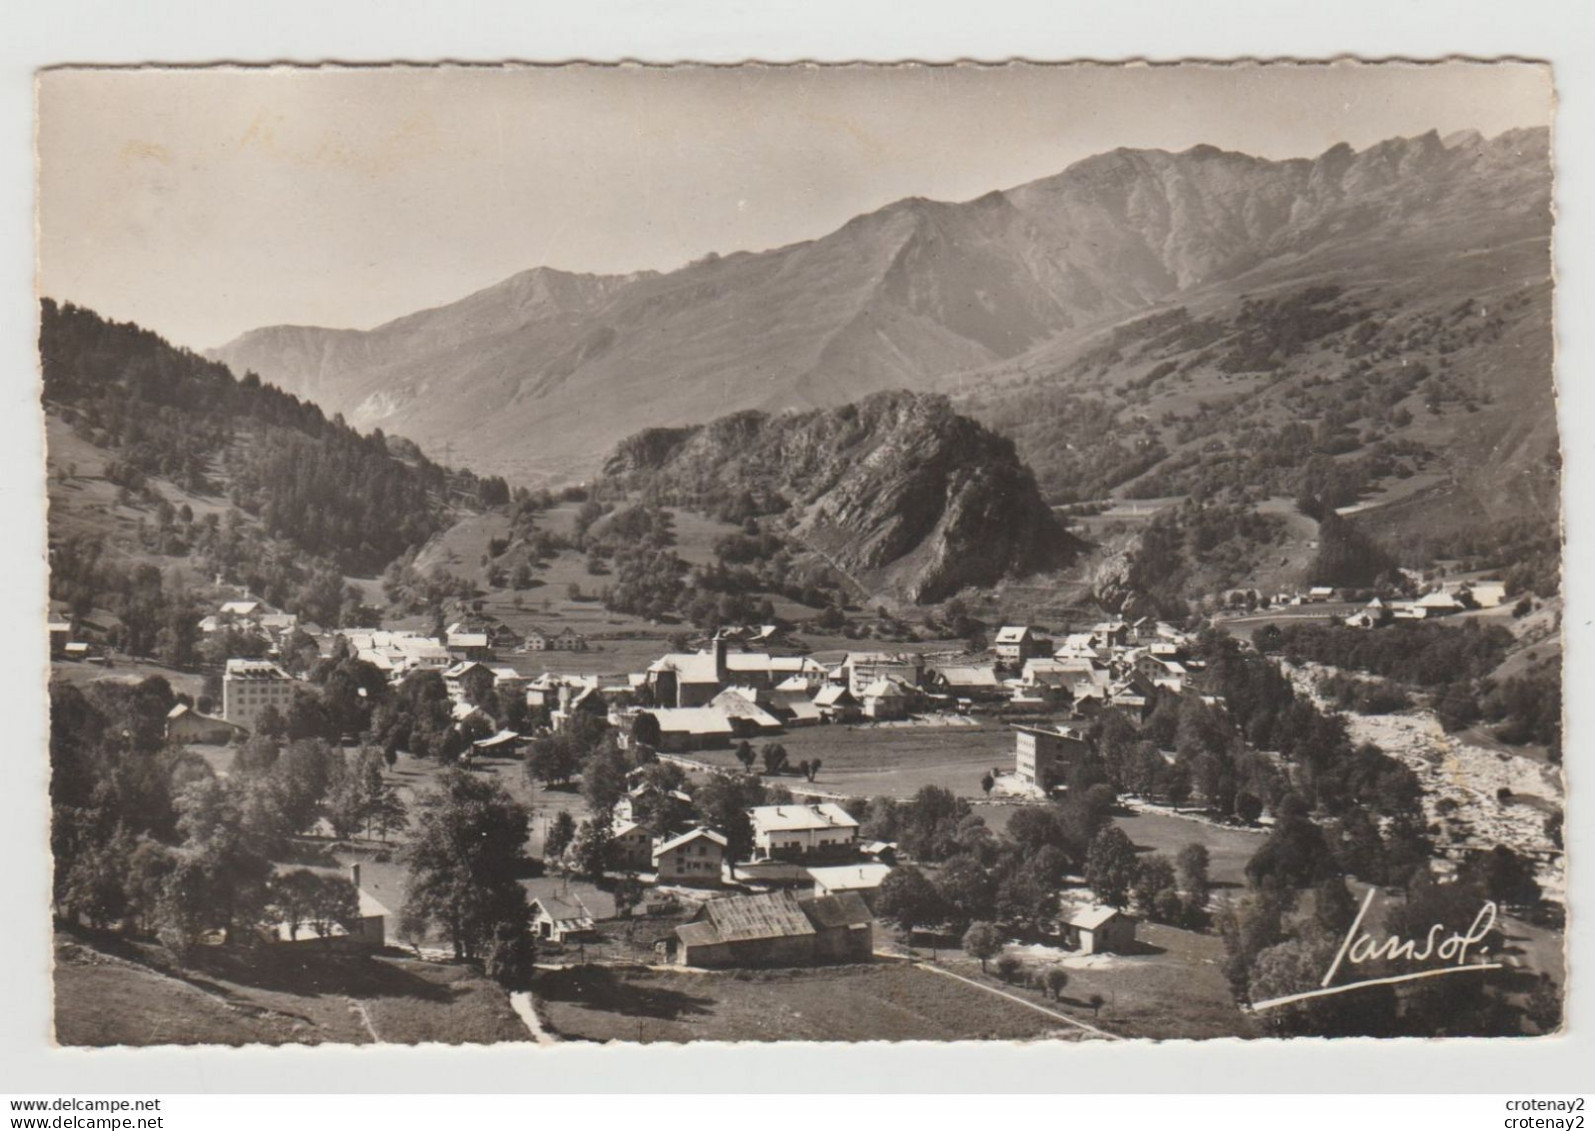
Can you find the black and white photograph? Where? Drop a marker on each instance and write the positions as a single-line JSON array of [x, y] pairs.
[[652, 554]]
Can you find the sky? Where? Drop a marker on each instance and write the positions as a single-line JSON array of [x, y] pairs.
[[202, 203]]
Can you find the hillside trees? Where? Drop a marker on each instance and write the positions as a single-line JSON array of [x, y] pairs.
[[313, 481]]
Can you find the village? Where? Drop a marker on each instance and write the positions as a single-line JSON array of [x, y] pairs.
[[833, 755]]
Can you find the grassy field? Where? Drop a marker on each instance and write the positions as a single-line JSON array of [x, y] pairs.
[[1173, 987], [871, 761], [126, 670], [1228, 848], [887, 1001], [113, 992]]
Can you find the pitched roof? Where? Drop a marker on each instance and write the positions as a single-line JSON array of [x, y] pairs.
[[845, 910], [833, 694], [772, 916], [1012, 633], [691, 720], [1088, 917], [791, 818], [739, 704], [561, 909], [690, 667], [969, 677], [688, 838]]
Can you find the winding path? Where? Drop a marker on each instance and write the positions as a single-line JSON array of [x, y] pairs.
[[359, 1008], [527, 1012]]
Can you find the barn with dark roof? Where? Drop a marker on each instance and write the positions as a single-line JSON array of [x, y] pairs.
[[777, 929]]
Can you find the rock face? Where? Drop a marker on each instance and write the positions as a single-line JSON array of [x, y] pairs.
[[541, 374], [897, 492]]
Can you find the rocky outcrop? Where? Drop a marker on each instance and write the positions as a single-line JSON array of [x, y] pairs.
[[898, 492]]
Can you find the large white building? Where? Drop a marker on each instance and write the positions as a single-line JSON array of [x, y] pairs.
[[791, 832], [250, 686]]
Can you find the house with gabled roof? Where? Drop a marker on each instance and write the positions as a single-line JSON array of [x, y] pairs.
[[689, 679], [184, 724], [1016, 643], [630, 846], [885, 699], [1096, 929], [695, 858], [836, 703], [561, 919], [1438, 604]]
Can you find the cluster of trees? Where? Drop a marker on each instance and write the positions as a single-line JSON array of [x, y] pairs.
[[314, 482], [1363, 696], [1324, 766], [1198, 547], [148, 838], [1428, 654], [465, 862], [1348, 558], [649, 582], [155, 612], [410, 590], [970, 875], [1526, 550], [1212, 761], [1453, 661], [1527, 707], [663, 801], [1280, 941]]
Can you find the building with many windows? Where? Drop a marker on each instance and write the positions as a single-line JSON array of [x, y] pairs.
[[250, 686]]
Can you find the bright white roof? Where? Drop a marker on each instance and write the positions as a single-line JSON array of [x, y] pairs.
[[690, 667], [688, 838], [792, 818], [691, 720], [850, 877], [1088, 917]]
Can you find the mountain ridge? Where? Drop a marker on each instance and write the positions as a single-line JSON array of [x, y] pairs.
[[902, 297]]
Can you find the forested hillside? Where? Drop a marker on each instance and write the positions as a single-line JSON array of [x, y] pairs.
[[233, 478]]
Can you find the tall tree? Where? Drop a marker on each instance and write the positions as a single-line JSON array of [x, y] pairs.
[[982, 941], [464, 857], [1110, 866]]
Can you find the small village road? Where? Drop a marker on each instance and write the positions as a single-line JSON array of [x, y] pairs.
[[527, 1012]]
